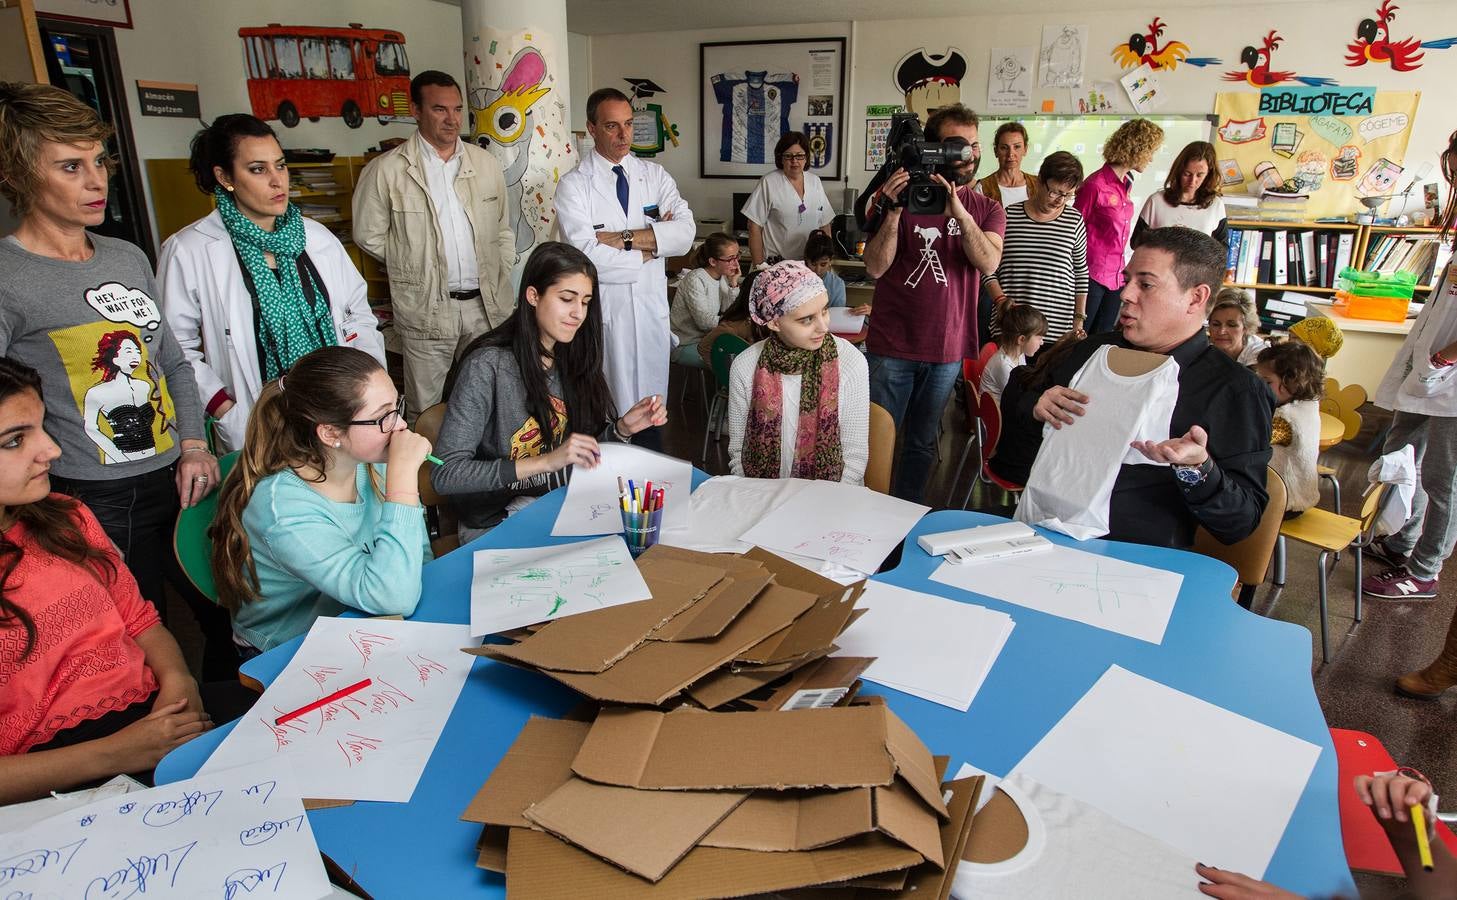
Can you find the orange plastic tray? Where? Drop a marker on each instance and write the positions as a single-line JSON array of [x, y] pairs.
[[1382, 309]]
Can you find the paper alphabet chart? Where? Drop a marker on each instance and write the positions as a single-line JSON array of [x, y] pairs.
[[359, 708]]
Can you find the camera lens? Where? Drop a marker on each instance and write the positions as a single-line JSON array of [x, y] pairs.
[[923, 196]]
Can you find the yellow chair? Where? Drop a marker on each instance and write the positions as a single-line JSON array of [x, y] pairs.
[[1250, 558], [1345, 404], [439, 523], [1329, 533], [882, 449]]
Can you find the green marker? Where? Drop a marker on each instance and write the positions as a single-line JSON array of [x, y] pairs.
[[435, 459]]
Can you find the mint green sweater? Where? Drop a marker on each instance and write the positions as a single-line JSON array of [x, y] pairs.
[[316, 557]]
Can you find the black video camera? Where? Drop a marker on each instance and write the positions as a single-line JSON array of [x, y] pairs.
[[907, 148]]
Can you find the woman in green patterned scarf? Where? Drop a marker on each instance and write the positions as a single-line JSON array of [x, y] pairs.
[[255, 285]]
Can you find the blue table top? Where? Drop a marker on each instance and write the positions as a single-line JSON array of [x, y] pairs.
[[1213, 649]]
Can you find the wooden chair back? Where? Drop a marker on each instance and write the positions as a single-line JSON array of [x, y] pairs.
[[1250, 558], [882, 449]]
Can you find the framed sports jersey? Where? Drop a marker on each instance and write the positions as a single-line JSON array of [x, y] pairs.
[[755, 91]]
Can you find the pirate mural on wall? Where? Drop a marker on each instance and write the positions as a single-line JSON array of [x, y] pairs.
[[518, 115], [930, 81]]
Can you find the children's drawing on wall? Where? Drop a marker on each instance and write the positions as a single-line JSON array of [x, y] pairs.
[[1064, 52], [1373, 43], [1009, 79], [1099, 98], [651, 129], [1230, 173], [313, 71], [519, 115], [930, 81], [1242, 131], [1144, 47], [1310, 169], [1144, 89], [1379, 179], [1286, 139], [1259, 69], [1346, 164]]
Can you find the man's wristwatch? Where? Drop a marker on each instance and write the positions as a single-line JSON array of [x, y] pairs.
[[627, 240], [1190, 476]]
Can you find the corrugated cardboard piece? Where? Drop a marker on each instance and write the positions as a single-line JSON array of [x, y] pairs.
[[707, 611]]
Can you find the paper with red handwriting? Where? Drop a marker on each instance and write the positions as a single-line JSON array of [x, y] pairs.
[[373, 743]]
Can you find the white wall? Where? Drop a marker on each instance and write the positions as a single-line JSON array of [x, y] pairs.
[[192, 41], [579, 77], [1315, 37]]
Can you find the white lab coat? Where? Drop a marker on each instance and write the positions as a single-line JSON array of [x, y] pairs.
[[634, 291], [206, 303]]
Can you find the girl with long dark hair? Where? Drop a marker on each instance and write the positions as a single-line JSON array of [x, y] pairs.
[[94, 684], [321, 513], [529, 399]]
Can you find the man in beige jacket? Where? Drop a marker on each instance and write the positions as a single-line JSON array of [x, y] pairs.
[[434, 210]]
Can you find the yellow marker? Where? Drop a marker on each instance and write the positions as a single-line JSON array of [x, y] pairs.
[[1424, 847]]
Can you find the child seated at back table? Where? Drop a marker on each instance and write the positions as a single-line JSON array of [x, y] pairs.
[[1296, 376], [1023, 327], [311, 521], [735, 321], [94, 684], [799, 400], [819, 256]]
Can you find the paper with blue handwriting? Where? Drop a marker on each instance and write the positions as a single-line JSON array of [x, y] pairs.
[[1097, 590], [373, 743], [844, 524], [234, 834], [592, 504], [512, 588]]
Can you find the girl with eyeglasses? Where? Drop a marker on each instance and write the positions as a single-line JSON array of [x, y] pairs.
[[321, 513], [529, 399], [787, 204], [704, 293]]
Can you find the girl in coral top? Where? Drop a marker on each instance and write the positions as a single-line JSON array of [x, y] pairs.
[[91, 683]]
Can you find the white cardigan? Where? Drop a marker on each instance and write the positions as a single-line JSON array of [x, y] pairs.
[[854, 411], [1296, 461], [208, 308], [1412, 385]]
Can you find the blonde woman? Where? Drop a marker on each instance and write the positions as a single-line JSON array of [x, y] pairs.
[[304, 528], [1107, 208], [1234, 326]]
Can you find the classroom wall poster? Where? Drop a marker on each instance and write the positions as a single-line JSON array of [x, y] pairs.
[[1063, 55], [877, 129], [752, 92], [1334, 144], [1009, 79]]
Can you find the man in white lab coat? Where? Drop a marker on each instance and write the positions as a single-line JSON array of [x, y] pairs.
[[627, 215]]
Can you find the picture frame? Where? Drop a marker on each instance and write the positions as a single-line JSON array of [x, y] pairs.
[[115, 13], [751, 92]]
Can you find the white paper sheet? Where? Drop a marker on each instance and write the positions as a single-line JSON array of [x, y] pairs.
[[19, 816], [374, 743], [1101, 591], [512, 588], [1216, 785], [845, 524], [928, 646], [842, 322], [591, 506], [231, 834]]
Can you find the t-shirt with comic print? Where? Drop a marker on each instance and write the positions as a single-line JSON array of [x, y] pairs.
[[120, 395]]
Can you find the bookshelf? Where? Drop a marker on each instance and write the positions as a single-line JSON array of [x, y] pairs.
[[1428, 268], [1365, 242], [1253, 264]]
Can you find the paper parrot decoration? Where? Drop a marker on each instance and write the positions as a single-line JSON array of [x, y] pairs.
[[1257, 62], [1144, 48], [1374, 44]]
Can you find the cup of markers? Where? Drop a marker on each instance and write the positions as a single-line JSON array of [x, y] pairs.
[[642, 514]]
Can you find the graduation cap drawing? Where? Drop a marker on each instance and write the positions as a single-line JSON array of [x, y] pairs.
[[645, 87]]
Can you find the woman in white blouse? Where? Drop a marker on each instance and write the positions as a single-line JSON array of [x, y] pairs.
[[1191, 196], [787, 204]]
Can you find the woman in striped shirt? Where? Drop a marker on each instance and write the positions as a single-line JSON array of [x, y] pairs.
[[1045, 254]]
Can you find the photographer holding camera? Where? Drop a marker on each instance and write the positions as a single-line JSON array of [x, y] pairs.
[[933, 238]]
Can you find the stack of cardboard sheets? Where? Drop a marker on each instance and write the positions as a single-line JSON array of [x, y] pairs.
[[718, 629], [643, 803]]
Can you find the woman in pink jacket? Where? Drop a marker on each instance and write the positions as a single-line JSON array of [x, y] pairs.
[[1107, 212]]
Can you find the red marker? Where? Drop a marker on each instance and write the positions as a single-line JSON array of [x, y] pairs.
[[324, 701]]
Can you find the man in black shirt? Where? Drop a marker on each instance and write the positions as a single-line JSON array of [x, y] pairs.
[[1216, 472]]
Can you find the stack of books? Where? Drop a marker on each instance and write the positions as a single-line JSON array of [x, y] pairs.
[[1422, 255], [1299, 258]]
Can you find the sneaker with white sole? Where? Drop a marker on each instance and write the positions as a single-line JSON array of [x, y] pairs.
[[1398, 584], [1381, 551]]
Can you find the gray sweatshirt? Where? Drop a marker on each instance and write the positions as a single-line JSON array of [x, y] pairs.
[[487, 428], [120, 396]]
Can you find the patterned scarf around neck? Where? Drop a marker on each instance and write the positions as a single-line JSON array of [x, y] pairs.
[[817, 451], [288, 326]]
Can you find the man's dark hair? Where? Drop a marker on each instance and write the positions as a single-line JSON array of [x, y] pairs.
[[956, 114], [431, 78], [1063, 168], [600, 96], [1198, 258]]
